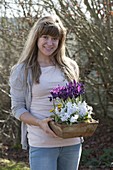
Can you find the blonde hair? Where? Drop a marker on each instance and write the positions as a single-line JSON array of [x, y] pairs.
[[52, 26]]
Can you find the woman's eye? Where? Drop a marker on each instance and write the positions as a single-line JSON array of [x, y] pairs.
[[45, 36], [55, 38]]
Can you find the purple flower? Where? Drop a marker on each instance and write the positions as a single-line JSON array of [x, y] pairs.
[[72, 89]]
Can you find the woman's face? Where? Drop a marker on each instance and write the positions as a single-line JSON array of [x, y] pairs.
[[47, 45]]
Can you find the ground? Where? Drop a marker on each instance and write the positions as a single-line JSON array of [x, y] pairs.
[[101, 140]]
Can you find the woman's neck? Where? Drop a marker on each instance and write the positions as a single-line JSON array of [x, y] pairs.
[[45, 62]]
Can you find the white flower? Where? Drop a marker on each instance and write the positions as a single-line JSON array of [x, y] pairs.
[[82, 108], [64, 117], [72, 108], [90, 109], [75, 108], [74, 118], [69, 104], [71, 112], [62, 110], [57, 111]]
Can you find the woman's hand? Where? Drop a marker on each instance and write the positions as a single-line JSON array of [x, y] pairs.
[[43, 124]]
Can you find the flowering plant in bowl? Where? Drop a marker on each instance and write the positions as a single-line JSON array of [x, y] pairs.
[[72, 116], [69, 107]]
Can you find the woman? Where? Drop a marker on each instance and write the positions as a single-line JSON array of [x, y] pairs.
[[42, 66]]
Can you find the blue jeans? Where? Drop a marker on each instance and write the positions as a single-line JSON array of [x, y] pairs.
[[57, 158]]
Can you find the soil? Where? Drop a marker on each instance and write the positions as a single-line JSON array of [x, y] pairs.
[[101, 139]]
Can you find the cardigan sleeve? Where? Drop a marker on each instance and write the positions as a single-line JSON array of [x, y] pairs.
[[17, 91]]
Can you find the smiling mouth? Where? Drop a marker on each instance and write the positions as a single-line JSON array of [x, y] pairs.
[[48, 49]]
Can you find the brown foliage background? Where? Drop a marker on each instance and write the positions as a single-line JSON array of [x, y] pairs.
[[89, 42]]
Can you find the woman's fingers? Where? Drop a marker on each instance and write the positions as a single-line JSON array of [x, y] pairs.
[[46, 128]]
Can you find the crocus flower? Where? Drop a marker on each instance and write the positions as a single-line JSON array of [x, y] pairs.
[[68, 104]]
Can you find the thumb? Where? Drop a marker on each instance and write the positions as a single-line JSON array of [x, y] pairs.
[[49, 119]]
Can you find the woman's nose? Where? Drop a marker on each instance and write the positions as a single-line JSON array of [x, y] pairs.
[[50, 41]]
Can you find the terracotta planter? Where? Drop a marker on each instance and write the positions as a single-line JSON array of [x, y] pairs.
[[75, 130]]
